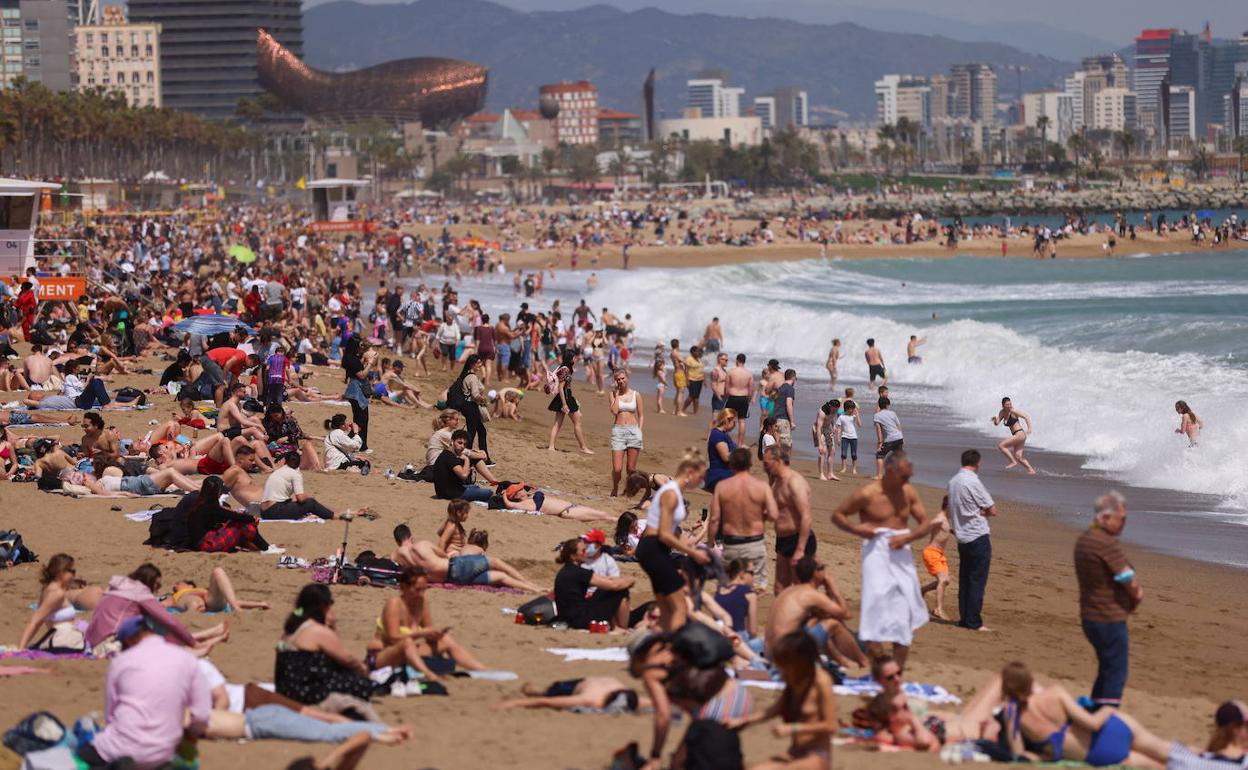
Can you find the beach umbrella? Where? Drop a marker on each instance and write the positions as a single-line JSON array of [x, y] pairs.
[[243, 254], [1204, 214], [208, 325]]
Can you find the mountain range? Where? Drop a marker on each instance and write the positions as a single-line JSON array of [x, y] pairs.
[[836, 64]]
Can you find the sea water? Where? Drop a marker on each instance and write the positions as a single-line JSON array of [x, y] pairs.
[[1096, 352]]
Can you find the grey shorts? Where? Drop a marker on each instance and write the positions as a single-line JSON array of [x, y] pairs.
[[625, 437], [754, 552], [57, 403]]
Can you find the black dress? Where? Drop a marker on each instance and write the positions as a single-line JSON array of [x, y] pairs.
[[556, 405], [310, 677]]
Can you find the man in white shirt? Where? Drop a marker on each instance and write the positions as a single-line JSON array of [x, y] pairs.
[[969, 506], [284, 497], [888, 436]]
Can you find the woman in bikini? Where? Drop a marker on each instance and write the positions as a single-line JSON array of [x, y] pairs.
[[626, 431], [61, 597], [659, 372], [406, 634], [1012, 447], [1189, 424], [219, 596], [451, 536], [639, 481], [834, 357], [521, 497], [807, 707]]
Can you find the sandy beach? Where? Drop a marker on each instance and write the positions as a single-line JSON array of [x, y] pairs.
[[1186, 639]]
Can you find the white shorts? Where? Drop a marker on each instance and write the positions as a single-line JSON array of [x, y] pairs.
[[625, 437]]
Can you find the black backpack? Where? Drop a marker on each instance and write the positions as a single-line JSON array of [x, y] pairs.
[[160, 529], [12, 549]]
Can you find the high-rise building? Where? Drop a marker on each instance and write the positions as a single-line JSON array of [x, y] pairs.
[[974, 93], [118, 56], [765, 109], [1226, 57], [577, 122], [1182, 123], [942, 96], [903, 96], [1097, 74], [37, 42], [208, 48], [715, 99], [1055, 105], [792, 107], [1152, 67], [1114, 109], [1191, 65]]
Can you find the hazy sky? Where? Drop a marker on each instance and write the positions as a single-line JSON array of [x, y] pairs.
[[1118, 20]]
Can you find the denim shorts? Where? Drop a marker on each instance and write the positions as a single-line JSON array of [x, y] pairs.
[[139, 485], [473, 569]]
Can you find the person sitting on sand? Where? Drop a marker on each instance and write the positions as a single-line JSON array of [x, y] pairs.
[[392, 380], [284, 497], [452, 473], [233, 421], [135, 595], [341, 443], [1048, 715], [406, 633], [505, 403], [813, 605], [577, 606], [444, 427], [312, 661], [523, 497], [451, 535], [806, 707], [467, 569], [219, 596], [601, 693], [61, 597], [283, 429], [237, 478], [934, 558]]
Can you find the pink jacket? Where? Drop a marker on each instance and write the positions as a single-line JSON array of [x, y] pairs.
[[127, 598]]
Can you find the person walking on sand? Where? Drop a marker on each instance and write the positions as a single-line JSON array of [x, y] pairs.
[[888, 435], [970, 505], [892, 602], [1109, 592], [875, 365], [935, 561], [1189, 424], [795, 537], [1012, 447], [912, 349], [564, 405], [834, 357], [738, 393]]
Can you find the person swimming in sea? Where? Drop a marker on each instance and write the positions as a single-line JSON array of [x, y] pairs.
[[1189, 424]]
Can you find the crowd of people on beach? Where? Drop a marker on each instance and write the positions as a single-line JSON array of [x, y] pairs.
[[239, 342]]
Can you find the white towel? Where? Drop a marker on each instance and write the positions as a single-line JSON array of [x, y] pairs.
[[609, 654], [892, 603]]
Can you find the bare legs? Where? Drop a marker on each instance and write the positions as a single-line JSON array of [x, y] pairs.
[[577, 429], [1012, 448], [170, 477], [939, 585], [221, 594], [620, 461]]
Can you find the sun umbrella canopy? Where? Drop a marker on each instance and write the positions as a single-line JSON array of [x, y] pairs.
[[243, 254], [208, 325]]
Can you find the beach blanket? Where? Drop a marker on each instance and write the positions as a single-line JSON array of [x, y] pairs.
[[892, 603], [486, 589], [865, 686], [14, 653], [507, 510], [41, 425], [602, 654]]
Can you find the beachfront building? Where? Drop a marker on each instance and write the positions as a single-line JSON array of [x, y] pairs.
[[903, 96], [208, 50], [1057, 106], [1114, 109], [694, 127], [973, 94], [119, 57], [710, 93], [577, 121], [792, 107], [37, 43], [940, 96], [618, 129], [1230, 61], [765, 109], [1181, 119]]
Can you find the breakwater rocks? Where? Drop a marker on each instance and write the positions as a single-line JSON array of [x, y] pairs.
[[1097, 200]]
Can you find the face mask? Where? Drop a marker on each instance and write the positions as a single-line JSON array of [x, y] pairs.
[[591, 550]]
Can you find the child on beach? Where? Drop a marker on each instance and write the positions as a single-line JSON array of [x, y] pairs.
[[451, 536], [849, 421], [659, 372], [934, 558]]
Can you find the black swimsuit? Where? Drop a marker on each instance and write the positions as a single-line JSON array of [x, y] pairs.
[[1010, 422]]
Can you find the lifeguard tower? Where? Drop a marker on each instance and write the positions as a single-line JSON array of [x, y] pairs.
[[19, 215], [335, 204]]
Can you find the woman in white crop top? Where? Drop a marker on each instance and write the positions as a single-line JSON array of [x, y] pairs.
[[662, 536], [629, 418]]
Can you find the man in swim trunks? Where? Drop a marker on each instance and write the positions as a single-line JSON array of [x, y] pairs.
[[713, 337], [738, 393], [37, 367], [472, 569], [209, 455], [794, 538], [815, 605], [233, 422], [875, 364], [741, 505], [912, 349], [95, 440]]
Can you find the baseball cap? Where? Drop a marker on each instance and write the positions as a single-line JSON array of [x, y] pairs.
[[1230, 714], [133, 626], [595, 536]]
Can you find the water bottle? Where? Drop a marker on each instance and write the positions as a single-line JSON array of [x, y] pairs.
[[389, 473]]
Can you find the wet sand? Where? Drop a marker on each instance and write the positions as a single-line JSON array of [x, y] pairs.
[[1186, 638]]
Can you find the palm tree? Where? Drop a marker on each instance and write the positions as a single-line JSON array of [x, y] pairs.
[[1125, 140], [1078, 144], [1202, 161], [1043, 122]]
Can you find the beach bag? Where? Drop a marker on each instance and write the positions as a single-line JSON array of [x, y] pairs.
[[62, 637], [12, 549], [710, 745], [455, 397], [128, 395], [701, 646], [542, 607], [37, 732], [160, 528]]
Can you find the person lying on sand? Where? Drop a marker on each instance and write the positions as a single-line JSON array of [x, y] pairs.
[[603, 693], [219, 596], [522, 497], [468, 569]]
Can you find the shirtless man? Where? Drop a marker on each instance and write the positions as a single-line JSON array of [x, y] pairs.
[[209, 455], [238, 480], [875, 364], [912, 349], [54, 465], [740, 508], [738, 393], [815, 605], [96, 440], [891, 607], [793, 522], [393, 380], [37, 367], [713, 337], [719, 384], [231, 420], [471, 569]]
